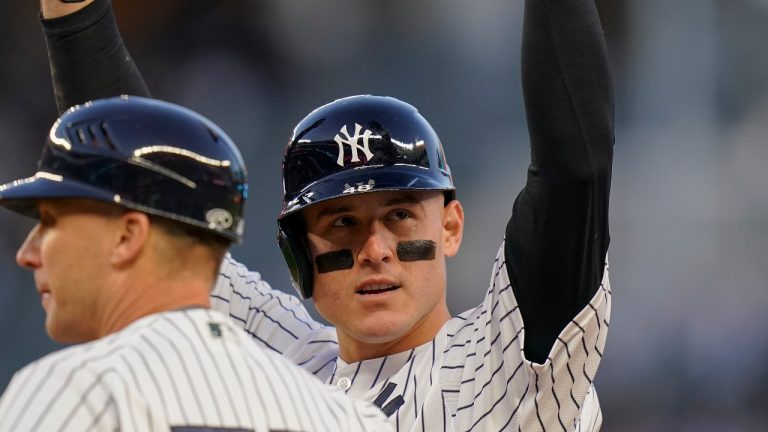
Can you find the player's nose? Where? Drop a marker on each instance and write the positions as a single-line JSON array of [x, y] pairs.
[[376, 248], [28, 255]]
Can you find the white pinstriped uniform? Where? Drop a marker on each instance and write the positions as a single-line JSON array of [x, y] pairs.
[[188, 370], [471, 377]]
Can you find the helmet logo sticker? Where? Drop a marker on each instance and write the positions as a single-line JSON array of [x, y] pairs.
[[361, 187], [352, 142], [219, 219]]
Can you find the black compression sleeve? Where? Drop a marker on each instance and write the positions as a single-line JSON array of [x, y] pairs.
[[88, 58], [557, 238]]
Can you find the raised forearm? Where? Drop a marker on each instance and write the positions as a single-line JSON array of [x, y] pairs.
[[557, 237], [87, 56], [568, 89]]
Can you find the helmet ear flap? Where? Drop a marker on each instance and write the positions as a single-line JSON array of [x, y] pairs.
[[292, 239]]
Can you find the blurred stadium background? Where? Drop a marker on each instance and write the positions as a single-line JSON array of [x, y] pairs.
[[687, 349]]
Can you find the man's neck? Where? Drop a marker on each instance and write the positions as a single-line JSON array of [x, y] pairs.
[[352, 350], [139, 299]]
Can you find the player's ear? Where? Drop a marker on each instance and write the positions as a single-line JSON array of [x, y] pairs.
[[131, 236], [453, 227]]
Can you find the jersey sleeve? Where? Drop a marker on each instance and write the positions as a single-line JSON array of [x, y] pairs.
[[499, 388], [88, 58], [276, 320], [44, 397], [557, 237]]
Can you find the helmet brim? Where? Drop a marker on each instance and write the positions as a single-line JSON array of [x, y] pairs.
[[22, 195], [368, 179]]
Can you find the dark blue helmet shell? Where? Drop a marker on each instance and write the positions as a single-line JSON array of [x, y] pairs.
[[361, 144], [143, 154], [354, 145]]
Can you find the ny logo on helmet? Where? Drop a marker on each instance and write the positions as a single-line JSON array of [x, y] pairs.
[[352, 142]]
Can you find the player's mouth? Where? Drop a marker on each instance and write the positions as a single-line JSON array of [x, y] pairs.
[[45, 298], [44, 293], [376, 288]]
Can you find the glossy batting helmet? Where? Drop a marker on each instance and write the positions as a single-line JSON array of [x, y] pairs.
[[143, 154], [355, 145]]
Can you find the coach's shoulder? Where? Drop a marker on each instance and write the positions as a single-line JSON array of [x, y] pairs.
[[56, 371]]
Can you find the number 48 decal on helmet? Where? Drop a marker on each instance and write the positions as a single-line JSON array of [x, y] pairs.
[[360, 187]]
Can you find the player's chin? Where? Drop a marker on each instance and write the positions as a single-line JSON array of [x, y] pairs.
[[57, 335], [380, 329]]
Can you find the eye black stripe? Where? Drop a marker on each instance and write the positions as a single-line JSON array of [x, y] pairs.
[[334, 261], [416, 250]]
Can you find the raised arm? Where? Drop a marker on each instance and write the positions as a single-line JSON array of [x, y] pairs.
[[557, 237], [87, 55]]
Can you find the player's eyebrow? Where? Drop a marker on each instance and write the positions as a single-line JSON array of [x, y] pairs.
[[332, 211], [404, 198]]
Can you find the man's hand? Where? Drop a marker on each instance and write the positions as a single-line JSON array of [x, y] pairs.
[[58, 8]]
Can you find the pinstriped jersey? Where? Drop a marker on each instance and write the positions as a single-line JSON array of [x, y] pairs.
[[188, 370], [473, 376]]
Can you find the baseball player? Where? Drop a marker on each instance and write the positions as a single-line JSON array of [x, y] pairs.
[[370, 214], [137, 202]]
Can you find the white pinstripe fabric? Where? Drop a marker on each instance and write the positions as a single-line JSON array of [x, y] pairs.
[[175, 371], [471, 377]]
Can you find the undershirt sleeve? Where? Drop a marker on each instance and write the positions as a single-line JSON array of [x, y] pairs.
[[88, 58], [557, 237]]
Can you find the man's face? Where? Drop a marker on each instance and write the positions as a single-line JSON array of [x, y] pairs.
[[67, 251], [379, 263]]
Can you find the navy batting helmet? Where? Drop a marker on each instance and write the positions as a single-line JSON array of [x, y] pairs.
[[354, 145], [143, 154]]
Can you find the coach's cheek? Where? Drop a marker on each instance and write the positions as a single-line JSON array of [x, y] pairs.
[[416, 250], [334, 261]]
